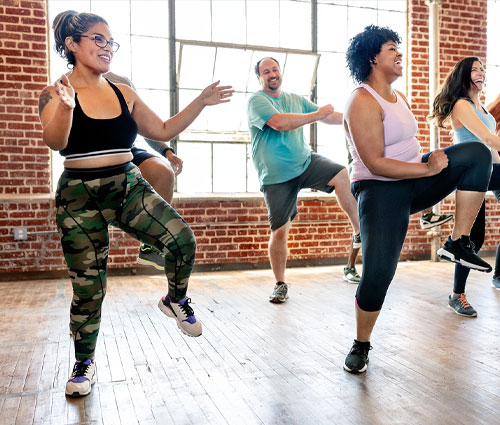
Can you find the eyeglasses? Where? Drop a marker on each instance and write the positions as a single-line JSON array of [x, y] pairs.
[[100, 41]]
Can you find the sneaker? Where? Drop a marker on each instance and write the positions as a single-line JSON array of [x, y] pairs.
[[495, 282], [461, 306], [182, 313], [357, 359], [280, 293], [81, 380], [462, 252], [356, 241], [351, 275], [431, 220], [151, 257]]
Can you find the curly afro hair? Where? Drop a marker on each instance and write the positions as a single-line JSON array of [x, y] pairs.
[[363, 48]]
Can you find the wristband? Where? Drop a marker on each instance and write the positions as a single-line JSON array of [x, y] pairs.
[[168, 148]]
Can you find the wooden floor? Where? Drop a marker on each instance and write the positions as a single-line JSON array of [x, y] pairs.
[[256, 363]]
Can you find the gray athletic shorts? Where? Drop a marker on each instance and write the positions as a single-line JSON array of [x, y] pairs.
[[281, 198]]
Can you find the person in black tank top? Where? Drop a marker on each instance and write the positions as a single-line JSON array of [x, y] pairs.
[[94, 123]]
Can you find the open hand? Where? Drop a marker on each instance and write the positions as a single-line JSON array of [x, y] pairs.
[[215, 94], [65, 92]]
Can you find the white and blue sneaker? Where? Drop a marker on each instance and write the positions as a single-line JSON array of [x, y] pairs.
[[81, 380], [183, 313]]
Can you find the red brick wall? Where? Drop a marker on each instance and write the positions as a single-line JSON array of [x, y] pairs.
[[227, 231]]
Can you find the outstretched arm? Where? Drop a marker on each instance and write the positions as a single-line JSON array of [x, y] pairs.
[[286, 122], [152, 127]]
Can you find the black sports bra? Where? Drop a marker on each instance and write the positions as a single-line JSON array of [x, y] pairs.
[[91, 137]]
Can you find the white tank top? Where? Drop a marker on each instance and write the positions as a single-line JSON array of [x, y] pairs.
[[400, 143]]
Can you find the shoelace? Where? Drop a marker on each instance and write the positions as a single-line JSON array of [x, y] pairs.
[[361, 349], [186, 308], [463, 301], [80, 369]]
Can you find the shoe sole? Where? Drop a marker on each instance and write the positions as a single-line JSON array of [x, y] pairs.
[[167, 312], [496, 287], [431, 225], [354, 371], [461, 314], [277, 300], [150, 263], [350, 280], [76, 394], [357, 245], [448, 256]]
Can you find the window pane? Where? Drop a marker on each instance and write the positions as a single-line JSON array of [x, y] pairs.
[[192, 20], [121, 64], [493, 81], [332, 28], [331, 143], [295, 24], [147, 68], [229, 168], [231, 67], [358, 19], [228, 21], [157, 100], [227, 116], [116, 13], [196, 173], [334, 83], [298, 73], [196, 66], [253, 184], [399, 5], [149, 17], [262, 22], [201, 122]]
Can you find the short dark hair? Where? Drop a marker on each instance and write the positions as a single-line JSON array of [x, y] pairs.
[[363, 48], [258, 64]]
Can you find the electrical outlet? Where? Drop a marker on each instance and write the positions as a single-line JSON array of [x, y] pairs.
[[20, 233]]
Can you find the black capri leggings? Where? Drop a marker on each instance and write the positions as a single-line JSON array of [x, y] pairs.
[[384, 209]]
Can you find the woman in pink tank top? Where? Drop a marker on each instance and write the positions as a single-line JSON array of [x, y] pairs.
[[391, 180]]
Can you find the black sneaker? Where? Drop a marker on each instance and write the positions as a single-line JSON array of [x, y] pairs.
[[151, 257], [357, 359], [462, 252]]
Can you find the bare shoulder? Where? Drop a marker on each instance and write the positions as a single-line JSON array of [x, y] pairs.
[[362, 101], [129, 93]]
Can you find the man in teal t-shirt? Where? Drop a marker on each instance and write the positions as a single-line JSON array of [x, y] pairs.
[[285, 163]]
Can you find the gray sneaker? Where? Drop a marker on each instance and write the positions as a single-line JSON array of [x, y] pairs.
[[461, 306], [356, 241], [351, 275], [151, 257], [495, 282], [280, 293]]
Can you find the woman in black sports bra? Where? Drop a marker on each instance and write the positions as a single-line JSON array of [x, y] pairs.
[[93, 124]]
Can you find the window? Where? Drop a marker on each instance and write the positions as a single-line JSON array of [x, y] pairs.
[[221, 39], [493, 53]]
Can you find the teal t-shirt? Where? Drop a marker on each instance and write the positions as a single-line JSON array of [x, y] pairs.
[[278, 156]]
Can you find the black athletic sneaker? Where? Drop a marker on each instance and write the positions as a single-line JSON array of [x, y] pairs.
[[462, 252], [357, 359]]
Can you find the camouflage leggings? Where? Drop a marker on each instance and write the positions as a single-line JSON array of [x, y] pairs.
[[86, 206]]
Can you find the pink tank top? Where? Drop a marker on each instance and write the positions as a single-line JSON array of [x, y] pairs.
[[400, 143]]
